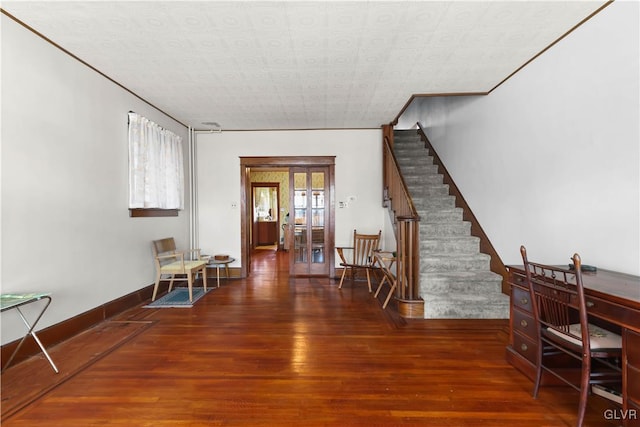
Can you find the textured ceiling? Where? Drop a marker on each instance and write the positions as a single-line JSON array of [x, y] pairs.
[[300, 64]]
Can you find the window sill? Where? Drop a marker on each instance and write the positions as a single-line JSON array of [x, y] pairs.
[[147, 213]]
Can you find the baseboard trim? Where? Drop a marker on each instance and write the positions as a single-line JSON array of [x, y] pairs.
[[66, 329]]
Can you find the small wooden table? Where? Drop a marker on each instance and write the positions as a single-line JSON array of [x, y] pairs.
[[217, 263], [15, 301]]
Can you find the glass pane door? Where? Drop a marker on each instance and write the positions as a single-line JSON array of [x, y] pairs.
[[317, 218], [300, 247], [309, 248]]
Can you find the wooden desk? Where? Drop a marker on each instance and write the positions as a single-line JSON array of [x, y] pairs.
[[610, 296]]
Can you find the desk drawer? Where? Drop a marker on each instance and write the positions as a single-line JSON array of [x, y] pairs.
[[518, 279], [525, 346], [613, 312], [523, 322], [521, 299]]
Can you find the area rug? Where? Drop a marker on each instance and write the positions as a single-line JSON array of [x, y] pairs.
[[178, 298]]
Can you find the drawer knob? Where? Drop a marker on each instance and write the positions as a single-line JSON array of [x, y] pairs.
[[524, 323], [524, 347], [524, 300], [590, 304]]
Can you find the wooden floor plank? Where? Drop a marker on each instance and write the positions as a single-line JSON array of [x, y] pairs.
[[272, 350]]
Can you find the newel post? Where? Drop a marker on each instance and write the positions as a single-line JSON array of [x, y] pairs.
[[410, 304]]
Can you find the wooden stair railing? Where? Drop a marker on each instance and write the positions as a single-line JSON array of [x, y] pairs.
[[406, 220]]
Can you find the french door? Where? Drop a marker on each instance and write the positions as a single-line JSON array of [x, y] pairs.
[[309, 199], [315, 255]]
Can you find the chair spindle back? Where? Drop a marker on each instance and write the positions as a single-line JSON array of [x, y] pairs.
[[364, 245], [557, 297]]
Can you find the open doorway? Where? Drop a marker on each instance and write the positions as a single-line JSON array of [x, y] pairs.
[[265, 215], [251, 167]]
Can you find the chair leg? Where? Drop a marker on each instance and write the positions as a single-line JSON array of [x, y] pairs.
[[375, 275], [584, 393], [368, 279], [386, 301], [204, 278], [344, 271], [155, 288], [173, 276], [384, 279], [190, 284], [536, 386]]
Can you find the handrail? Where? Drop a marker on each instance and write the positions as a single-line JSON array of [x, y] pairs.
[[396, 195], [405, 217]]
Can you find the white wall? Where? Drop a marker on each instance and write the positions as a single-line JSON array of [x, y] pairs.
[[551, 158], [65, 222], [358, 171]]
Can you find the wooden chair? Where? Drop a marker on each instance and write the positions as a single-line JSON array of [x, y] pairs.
[[171, 263], [562, 326], [359, 256]]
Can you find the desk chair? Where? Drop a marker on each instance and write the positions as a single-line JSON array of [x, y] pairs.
[[359, 256], [171, 263], [561, 320]]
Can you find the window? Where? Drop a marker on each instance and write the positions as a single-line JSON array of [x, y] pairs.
[[156, 169]]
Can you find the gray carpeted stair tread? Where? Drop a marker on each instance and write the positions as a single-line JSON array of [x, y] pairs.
[[471, 282], [454, 262], [440, 214], [449, 245]]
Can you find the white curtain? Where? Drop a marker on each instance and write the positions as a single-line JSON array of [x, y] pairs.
[[156, 170]]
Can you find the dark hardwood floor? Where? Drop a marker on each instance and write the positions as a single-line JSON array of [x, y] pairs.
[[274, 351]]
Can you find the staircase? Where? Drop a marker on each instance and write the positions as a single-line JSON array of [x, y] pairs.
[[455, 279]]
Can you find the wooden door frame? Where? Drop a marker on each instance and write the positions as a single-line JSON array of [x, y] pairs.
[[246, 163], [275, 185]]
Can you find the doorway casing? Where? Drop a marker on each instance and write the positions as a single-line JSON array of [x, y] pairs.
[[246, 163]]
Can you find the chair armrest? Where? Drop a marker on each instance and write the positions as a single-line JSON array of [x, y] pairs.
[[174, 255], [340, 250], [179, 256]]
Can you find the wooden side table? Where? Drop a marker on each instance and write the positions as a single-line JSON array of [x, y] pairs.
[[217, 263]]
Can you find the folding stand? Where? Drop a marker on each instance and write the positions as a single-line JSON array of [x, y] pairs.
[[11, 301]]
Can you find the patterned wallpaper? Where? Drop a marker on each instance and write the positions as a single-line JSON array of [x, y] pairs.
[[283, 179], [317, 180]]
